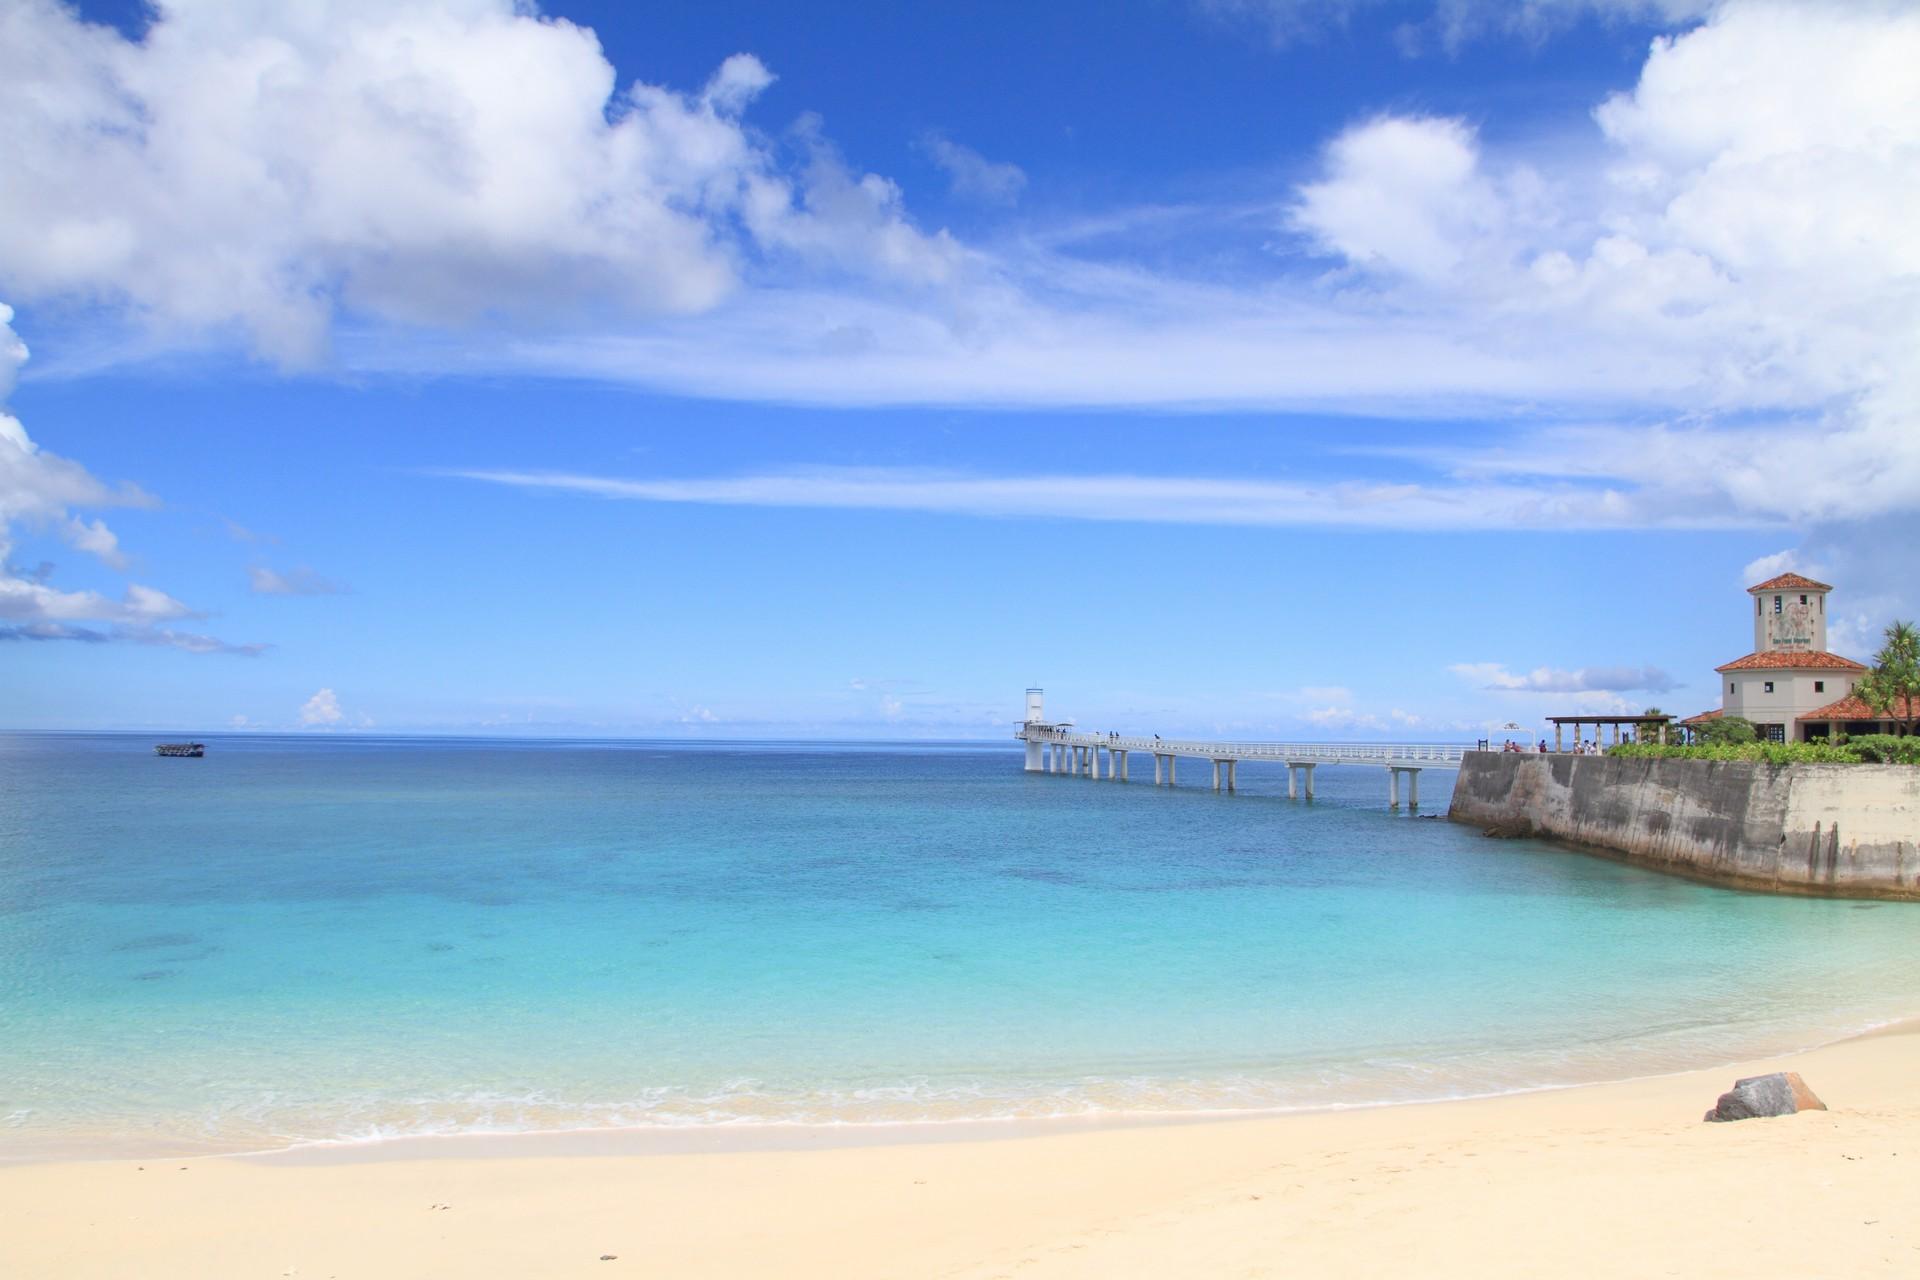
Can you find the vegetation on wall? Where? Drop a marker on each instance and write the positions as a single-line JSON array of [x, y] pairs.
[[1879, 748]]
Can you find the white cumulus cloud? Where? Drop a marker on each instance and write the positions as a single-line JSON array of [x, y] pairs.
[[267, 167], [1402, 193], [323, 708], [39, 491]]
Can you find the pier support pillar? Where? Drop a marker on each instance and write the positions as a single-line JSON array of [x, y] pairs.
[[1159, 769], [1124, 775], [1172, 780], [1413, 790], [1216, 775], [1393, 787], [1233, 775], [1093, 763], [1036, 755], [1303, 772]]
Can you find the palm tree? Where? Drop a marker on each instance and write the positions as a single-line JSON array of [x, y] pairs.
[[1892, 688]]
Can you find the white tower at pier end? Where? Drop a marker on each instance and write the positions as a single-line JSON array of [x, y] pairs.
[[1036, 716]]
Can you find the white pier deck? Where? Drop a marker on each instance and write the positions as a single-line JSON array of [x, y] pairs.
[[1061, 749]]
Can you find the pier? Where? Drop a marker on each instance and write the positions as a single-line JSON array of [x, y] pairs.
[[1061, 749]]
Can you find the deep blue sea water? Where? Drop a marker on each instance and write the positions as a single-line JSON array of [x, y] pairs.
[[306, 939]]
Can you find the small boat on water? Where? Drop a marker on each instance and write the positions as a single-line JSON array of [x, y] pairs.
[[195, 749]]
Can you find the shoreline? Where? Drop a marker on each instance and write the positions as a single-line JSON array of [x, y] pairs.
[[746, 1137], [1607, 1178]]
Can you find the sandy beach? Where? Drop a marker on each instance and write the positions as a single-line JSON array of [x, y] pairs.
[[1613, 1179]]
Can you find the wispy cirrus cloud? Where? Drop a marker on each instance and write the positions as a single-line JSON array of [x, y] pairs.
[[1446, 23], [301, 581], [163, 637], [1152, 499], [1495, 676], [971, 175], [1134, 498]]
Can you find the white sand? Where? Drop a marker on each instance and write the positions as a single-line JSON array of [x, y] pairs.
[[1610, 1180]]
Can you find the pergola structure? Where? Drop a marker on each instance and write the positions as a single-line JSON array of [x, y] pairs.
[[1559, 724]]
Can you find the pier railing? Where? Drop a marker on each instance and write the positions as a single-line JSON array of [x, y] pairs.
[[1431, 754]]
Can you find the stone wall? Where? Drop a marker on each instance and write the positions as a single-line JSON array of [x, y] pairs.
[[1844, 830]]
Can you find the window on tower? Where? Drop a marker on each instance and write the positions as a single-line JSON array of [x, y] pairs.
[[1769, 686], [1776, 604], [1819, 686]]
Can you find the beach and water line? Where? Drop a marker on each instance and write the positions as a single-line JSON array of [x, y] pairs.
[[343, 944]]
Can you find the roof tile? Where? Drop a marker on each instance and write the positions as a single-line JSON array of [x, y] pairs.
[[1789, 582], [1852, 708], [1792, 660]]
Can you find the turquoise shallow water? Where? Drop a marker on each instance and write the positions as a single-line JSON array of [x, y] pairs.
[[300, 940]]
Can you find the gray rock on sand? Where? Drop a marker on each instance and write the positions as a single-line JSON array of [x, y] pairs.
[[1779, 1094]]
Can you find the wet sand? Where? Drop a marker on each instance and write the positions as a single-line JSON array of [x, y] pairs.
[[1614, 1179]]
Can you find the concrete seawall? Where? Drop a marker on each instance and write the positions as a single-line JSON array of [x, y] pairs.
[[1830, 829]]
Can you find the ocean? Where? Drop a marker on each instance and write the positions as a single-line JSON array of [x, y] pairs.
[[325, 939]]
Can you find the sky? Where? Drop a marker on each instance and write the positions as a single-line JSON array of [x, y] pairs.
[[1314, 371]]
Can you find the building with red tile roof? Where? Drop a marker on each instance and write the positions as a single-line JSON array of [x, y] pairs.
[[1790, 676]]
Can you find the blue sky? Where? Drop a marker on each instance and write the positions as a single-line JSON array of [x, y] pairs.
[[1379, 369]]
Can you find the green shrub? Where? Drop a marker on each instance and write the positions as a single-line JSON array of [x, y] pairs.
[[1885, 748], [1728, 731], [1876, 749]]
